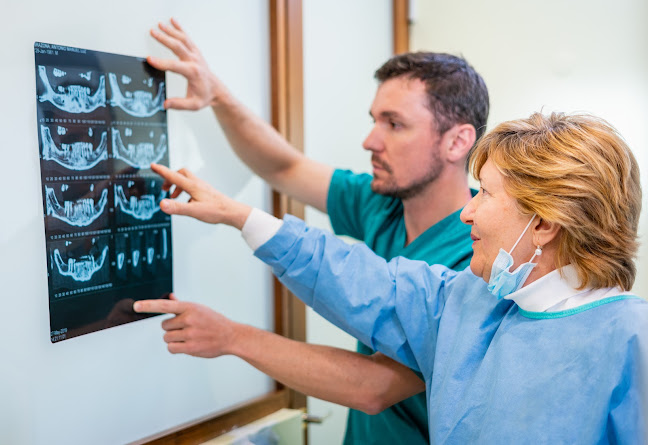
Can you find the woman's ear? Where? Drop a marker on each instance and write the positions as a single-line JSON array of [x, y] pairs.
[[545, 232]]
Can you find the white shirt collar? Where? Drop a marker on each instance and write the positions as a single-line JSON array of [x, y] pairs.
[[553, 292]]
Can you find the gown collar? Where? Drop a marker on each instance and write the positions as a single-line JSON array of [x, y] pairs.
[[553, 292]]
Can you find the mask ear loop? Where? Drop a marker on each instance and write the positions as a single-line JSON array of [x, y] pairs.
[[523, 232], [537, 252]]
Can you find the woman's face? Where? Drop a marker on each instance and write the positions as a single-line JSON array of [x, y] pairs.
[[496, 223]]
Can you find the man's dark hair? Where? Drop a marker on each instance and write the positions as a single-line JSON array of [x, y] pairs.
[[456, 93]]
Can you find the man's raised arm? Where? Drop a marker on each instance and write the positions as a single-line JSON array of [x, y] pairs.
[[254, 140]]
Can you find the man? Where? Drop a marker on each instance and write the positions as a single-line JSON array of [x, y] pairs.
[[428, 112]]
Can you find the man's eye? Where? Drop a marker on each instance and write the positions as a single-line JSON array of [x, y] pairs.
[[394, 124]]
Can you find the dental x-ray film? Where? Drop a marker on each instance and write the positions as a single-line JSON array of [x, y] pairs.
[[101, 123]]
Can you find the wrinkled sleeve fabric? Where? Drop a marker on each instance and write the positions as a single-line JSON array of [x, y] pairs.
[[393, 307]]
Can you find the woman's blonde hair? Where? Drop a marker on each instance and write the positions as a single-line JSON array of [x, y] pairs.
[[575, 171]]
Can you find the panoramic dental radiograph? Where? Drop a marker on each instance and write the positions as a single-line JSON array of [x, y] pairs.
[[72, 97], [81, 269], [80, 155], [79, 213], [140, 154], [142, 208], [138, 103], [106, 239]]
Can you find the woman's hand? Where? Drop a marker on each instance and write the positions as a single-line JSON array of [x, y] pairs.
[[205, 204]]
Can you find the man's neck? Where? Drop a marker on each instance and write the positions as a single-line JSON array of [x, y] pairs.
[[447, 194]]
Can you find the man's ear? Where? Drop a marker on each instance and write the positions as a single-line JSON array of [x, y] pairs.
[[545, 232], [458, 141]]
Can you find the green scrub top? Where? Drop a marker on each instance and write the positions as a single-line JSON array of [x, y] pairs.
[[378, 221]]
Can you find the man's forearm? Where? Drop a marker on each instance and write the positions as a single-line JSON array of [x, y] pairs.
[[270, 155], [366, 383]]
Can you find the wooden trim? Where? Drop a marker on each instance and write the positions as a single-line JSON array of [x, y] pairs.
[[401, 26], [204, 429], [288, 118], [290, 314]]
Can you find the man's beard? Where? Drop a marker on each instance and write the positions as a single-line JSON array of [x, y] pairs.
[[411, 190]]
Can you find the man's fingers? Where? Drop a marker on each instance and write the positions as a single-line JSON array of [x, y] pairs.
[[177, 348], [177, 191], [176, 32], [175, 45], [183, 103], [175, 336], [171, 207], [172, 177], [188, 174], [176, 24], [173, 324], [175, 66], [159, 306]]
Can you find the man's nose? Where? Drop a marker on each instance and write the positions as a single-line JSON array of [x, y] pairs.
[[373, 141]]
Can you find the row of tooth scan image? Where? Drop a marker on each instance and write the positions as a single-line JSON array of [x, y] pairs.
[[81, 264], [90, 206], [84, 92], [100, 149]]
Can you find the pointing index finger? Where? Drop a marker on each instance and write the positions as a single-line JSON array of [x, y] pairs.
[[159, 306], [175, 178]]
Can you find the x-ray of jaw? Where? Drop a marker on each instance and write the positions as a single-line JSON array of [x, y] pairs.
[[72, 98], [101, 122], [138, 103], [79, 263], [79, 156], [143, 207], [140, 154], [81, 269], [79, 213]]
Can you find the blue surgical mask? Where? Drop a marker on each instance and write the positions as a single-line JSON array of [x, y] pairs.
[[504, 282]]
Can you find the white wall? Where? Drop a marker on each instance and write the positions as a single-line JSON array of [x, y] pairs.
[[120, 384], [554, 55], [344, 43]]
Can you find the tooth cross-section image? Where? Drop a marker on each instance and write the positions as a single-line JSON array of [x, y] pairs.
[[142, 147], [143, 253], [78, 213], [138, 102], [75, 148], [69, 90], [81, 269], [77, 205], [78, 264], [140, 201]]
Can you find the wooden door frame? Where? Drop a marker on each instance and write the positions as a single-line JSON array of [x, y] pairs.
[[400, 25], [287, 116]]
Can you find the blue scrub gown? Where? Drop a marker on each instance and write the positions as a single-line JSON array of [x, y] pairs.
[[493, 372]]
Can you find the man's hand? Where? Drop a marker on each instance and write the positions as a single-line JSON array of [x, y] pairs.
[[203, 87], [206, 203], [195, 330]]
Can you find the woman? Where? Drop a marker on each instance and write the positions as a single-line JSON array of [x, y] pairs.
[[540, 340]]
